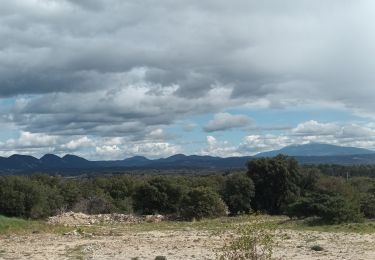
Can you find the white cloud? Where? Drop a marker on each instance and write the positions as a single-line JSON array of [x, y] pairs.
[[150, 150], [312, 127], [253, 144], [219, 148], [226, 121], [81, 142], [312, 131], [109, 152], [31, 140]]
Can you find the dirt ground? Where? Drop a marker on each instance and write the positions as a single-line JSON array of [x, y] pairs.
[[120, 242], [179, 245]]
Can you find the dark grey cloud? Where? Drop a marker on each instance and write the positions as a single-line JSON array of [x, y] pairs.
[[134, 66]]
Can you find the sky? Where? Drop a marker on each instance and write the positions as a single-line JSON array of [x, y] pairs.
[[110, 79]]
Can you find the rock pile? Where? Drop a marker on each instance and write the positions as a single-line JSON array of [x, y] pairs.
[[74, 218]]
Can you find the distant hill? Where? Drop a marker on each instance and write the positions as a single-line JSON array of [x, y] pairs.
[[305, 154], [316, 149]]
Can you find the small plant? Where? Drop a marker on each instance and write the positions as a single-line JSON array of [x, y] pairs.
[[317, 248], [80, 231], [255, 242]]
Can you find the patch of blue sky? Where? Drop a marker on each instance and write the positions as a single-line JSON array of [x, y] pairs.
[[7, 131], [195, 138], [6, 134], [7, 102]]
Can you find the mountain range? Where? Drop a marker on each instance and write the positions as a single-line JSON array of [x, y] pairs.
[[316, 149], [313, 153]]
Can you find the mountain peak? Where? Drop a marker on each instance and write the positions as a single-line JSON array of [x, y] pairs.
[[73, 157], [136, 157], [316, 149], [21, 156], [49, 156]]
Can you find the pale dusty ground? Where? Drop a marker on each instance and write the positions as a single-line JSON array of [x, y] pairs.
[[183, 244]]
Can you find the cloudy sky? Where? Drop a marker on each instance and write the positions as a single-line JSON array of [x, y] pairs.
[[108, 79]]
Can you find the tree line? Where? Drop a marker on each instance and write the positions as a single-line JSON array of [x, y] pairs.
[[276, 185], [362, 170]]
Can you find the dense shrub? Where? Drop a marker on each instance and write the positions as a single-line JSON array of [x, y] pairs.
[[95, 205], [276, 183], [158, 195], [202, 203], [25, 197], [329, 208], [368, 205], [279, 183], [238, 192]]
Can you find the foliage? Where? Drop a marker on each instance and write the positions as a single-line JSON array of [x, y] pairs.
[[274, 185], [238, 192], [276, 182], [202, 203], [94, 205], [368, 205], [158, 195], [363, 170], [28, 198], [331, 209], [255, 242]]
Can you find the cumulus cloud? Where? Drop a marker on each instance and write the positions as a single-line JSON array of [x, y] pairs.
[[150, 150], [117, 68], [311, 131], [35, 140], [37, 144], [81, 142], [226, 121], [313, 127], [253, 144], [219, 148]]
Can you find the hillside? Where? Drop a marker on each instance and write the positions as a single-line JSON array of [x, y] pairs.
[[316, 149], [305, 154]]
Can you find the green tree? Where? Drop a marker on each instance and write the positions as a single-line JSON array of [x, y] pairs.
[[276, 182], [238, 192], [202, 203], [158, 195], [332, 199], [368, 205]]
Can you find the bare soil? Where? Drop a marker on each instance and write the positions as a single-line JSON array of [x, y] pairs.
[[119, 242]]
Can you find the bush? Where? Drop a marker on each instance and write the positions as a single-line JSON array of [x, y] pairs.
[[276, 183], [368, 205], [24, 197], [255, 242], [202, 203], [238, 192], [94, 205], [331, 209], [158, 195]]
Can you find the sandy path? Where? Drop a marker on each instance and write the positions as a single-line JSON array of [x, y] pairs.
[[188, 244]]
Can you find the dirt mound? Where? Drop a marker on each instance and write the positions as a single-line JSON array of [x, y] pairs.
[[74, 218]]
